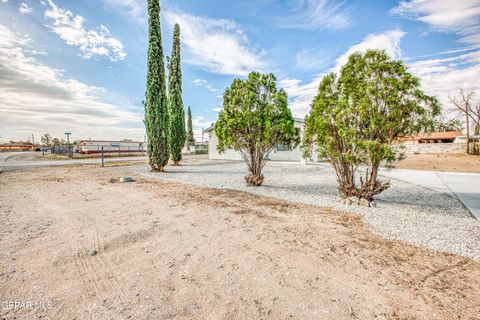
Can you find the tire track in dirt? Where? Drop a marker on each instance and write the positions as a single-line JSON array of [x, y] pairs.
[[98, 280], [97, 248]]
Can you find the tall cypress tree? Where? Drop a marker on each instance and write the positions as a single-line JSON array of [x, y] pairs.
[[190, 136], [156, 104], [177, 112]]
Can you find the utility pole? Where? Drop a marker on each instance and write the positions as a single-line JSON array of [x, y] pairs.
[[68, 141], [468, 140], [103, 161]]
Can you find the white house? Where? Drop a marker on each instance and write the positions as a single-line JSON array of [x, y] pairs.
[[279, 154]]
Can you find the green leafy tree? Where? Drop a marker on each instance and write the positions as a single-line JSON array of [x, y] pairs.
[[177, 111], [255, 119], [46, 140], [190, 136], [156, 104], [357, 116]]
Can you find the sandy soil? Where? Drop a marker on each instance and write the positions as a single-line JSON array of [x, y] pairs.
[[81, 246], [441, 162]]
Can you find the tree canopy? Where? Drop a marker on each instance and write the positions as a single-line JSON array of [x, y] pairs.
[[357, 115], [255, 119]]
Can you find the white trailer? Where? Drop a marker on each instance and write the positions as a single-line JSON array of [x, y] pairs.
[[124, 146]]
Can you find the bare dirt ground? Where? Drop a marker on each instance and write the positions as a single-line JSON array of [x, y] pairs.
[[83, 247], [441, 162]]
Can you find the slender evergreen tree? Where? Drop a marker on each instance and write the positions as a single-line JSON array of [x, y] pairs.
[[177, 112], [156, 104], [190, 136]]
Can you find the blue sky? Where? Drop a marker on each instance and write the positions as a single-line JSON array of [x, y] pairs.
[[80, 66]]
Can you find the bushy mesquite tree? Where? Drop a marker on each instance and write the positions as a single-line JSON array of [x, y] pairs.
[[156, 104], [190, 136], [46, 139], [254, 120], [355, 118], [177, 112]]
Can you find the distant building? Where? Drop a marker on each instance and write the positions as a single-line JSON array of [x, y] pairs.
[[431, 137], [18, 146], [280, 153], [95, 146], [195, 148]]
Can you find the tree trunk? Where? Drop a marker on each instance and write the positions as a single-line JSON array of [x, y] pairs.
[[369, 186], [157, 169], [372, 186], [255, 178]]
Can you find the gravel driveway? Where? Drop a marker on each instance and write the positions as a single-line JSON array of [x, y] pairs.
[[404, 212]]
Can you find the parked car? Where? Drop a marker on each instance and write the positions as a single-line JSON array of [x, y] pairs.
[[463, 139]]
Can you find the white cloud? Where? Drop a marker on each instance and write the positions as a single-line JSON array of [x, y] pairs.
[[218, 109], [313, 58], [318, 15], [24, 8], [301, 94], [440, 77], [35, 97], [388, 41], [451, 51], [70, 28], [135, 9], [36, 52], [218, 46], [200, 123], [454, 16], [204, 83], [458, 68]]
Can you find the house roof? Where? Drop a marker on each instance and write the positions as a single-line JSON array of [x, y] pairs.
[[447, 135]]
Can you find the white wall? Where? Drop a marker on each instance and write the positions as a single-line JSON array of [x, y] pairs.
[[213, 152], [435, 148], [294, 155]]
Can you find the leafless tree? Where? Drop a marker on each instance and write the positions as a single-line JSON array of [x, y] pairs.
[[476, 118], [464, 103]]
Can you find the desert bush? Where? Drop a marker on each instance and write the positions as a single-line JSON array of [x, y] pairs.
[[357, 115], [254, 120]]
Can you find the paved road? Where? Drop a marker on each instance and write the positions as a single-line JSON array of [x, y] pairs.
[[463, 186], [4, 156], [9, 162]]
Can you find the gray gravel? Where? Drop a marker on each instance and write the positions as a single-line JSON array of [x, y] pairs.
[[406, 212]]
